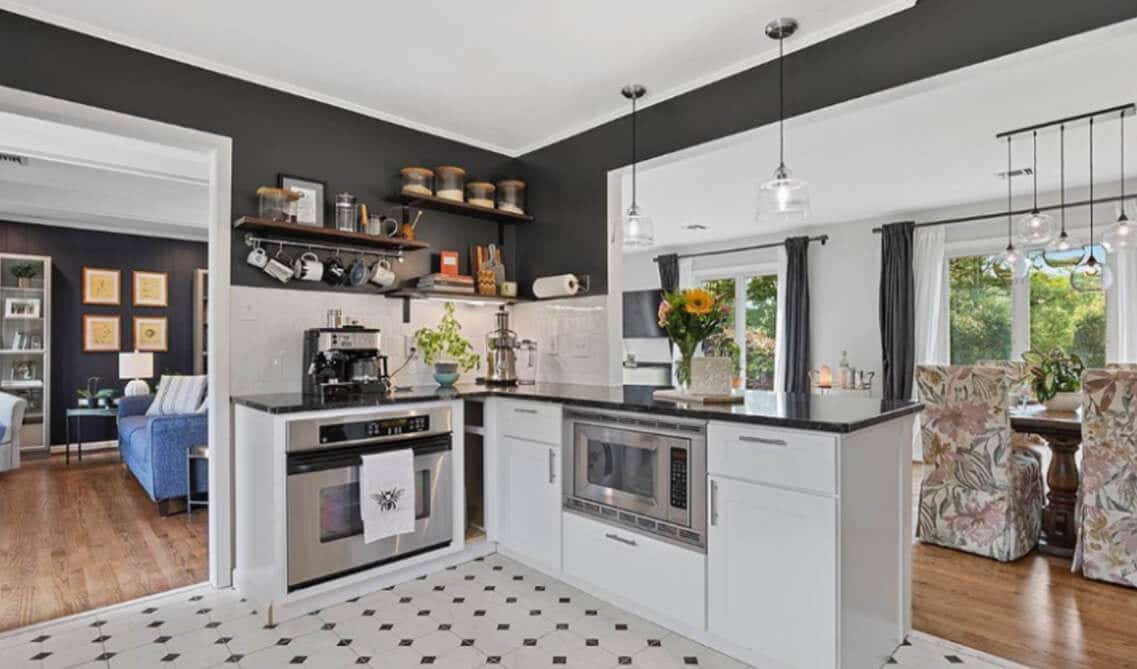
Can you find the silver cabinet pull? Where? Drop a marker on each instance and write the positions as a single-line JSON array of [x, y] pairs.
[[714, 502], [520, 410], [616, 537], [762, 440], [552, 466]]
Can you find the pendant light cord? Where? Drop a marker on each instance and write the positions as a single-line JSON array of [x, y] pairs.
[[781, 103], [1122, 163], [1010, 206], [1036, 171], [1062, 187], [1092, 189], [634, 154]]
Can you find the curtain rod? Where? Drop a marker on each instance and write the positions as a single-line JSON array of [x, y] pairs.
[[1018, 212], [772, 245]]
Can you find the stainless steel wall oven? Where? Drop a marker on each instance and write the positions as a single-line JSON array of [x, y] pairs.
[[637, 470], [325, 529]]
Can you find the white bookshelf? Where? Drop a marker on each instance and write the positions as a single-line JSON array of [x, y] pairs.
[[25, 345], [200, 321]]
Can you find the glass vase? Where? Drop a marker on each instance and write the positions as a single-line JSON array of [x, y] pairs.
[[683, 367]]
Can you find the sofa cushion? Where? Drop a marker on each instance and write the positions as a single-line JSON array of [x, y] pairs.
[[129, 424], [3, 429], [178, 395]]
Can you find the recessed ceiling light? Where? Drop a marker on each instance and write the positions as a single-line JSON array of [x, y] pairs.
[[695, 226]]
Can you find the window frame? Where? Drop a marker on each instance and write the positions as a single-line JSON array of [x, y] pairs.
[[740, 274], [1020, 298]]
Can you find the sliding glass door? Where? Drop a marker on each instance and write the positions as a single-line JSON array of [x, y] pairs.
[[749, 333]]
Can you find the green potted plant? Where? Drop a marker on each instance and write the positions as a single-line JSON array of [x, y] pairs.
[[1056, 378], [446, 349], [24, 273], [86, 398]]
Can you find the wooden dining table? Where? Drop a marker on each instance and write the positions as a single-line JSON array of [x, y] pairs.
[[1062, 431]]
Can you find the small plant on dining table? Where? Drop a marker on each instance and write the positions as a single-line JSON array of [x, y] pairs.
[[1054, 372]]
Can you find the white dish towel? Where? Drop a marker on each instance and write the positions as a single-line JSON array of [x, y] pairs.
[[387, 494]]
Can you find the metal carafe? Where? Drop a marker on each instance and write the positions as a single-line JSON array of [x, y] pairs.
[[501, 352]]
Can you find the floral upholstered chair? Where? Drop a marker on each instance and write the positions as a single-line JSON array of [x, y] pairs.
[[978, 494], [1107, 497], [1019, 375]]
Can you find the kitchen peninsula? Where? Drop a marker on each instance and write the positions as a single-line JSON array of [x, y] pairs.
[[776, 531]]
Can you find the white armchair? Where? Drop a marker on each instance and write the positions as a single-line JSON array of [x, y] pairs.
[[11, 423]]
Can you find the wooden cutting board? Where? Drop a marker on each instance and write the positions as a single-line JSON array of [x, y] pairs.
[[673, 395]]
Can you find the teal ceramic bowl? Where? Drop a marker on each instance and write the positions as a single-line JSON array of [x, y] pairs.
[[446, 373]]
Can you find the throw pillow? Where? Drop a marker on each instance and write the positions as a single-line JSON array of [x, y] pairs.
[[177, 395]]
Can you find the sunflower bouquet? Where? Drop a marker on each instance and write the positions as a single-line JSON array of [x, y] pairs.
[[689, 317]]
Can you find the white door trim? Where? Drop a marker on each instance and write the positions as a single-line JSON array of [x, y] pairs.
[[217, 151]]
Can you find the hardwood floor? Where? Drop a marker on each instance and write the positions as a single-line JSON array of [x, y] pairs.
[[85, 536], [1034, 611]]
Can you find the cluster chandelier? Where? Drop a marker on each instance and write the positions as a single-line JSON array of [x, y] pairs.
[[1087, 264]]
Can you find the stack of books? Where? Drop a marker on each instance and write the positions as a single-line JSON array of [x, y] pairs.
[[447, 283]]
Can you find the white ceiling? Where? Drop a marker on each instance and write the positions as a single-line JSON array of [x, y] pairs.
[[505, 75], [83, 178], [927, 146]]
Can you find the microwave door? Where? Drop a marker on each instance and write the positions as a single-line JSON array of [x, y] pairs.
[[620, 468]]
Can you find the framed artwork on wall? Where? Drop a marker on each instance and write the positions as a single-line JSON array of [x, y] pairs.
[[101, 286], [101, 334], [150, 333], [310, 206], [151, 289]]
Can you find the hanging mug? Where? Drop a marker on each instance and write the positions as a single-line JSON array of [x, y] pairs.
[[335, 273], [358, 273], [382, 226], [257, 258], [308, 267], [382, 275]]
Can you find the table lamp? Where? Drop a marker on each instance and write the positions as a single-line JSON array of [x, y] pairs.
[[136, 366]]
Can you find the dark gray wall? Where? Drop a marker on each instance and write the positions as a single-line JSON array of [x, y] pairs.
[[70, 251], [272, 132], [935, 36]]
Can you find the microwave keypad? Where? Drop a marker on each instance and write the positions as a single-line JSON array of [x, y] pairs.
[[679, 478]]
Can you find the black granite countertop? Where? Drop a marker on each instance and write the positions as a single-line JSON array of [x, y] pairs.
[[826, 413]]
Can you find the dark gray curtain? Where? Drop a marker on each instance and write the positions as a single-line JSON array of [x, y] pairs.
[[796, 312], [668, 272], [897, 310]]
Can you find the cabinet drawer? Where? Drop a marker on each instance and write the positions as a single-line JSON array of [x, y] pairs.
[[654, 574], [535, 421], [789, 458]]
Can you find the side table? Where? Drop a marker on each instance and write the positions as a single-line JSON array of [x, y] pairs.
[[78, 413], [199, 452]]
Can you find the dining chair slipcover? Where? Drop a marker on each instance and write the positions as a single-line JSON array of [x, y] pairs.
[[1107, 498], [978, 494]]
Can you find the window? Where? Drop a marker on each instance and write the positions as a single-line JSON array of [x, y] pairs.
[[748, 334], [993, 318]]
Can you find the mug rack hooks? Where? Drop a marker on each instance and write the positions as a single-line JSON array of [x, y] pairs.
[[253, 240]]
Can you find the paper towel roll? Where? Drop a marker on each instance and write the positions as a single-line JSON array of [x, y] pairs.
[[560, 285]]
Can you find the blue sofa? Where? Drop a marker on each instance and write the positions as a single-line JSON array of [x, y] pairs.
[[154, 448]]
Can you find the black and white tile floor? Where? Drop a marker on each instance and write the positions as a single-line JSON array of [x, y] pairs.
[[491, 612]]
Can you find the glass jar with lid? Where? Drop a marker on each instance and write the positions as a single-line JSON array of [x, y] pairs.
[[277, 204], [511, 196], [417, 181], [347, 215], [480, 194], [450, 183]]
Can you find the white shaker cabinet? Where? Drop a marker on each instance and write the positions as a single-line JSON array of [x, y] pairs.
[[771, 572], [532, 501]]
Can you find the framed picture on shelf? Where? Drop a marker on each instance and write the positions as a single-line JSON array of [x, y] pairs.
[[22, 307], [151, 289], [24, 370], [150, 333], [101, 286], [310, 206], [101, 334]]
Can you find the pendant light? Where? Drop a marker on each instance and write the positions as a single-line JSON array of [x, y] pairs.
[[1091, 275], [782, 199], [1064, 251], [1012, 262], [1123, 234], [639, 231], [1036, 228]]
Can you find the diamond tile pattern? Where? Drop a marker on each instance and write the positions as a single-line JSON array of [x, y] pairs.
[[490, 612]]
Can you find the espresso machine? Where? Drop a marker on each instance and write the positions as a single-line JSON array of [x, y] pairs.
[[502, 345], [344, 362]]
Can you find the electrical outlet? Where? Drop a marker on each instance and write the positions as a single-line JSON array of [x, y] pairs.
[[408, 345]]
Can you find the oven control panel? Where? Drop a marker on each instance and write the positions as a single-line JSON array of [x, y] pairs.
[[372, 429], [679, 478]]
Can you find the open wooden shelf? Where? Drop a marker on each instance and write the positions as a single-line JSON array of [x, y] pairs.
[[327, 235], [416, 294], [463, 208]]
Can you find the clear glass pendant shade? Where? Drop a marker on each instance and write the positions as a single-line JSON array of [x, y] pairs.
[[1035, 229], [783, 199], [1014, 263], [1091, 276], [1063, 252], [1121, 236], [639, 231]]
